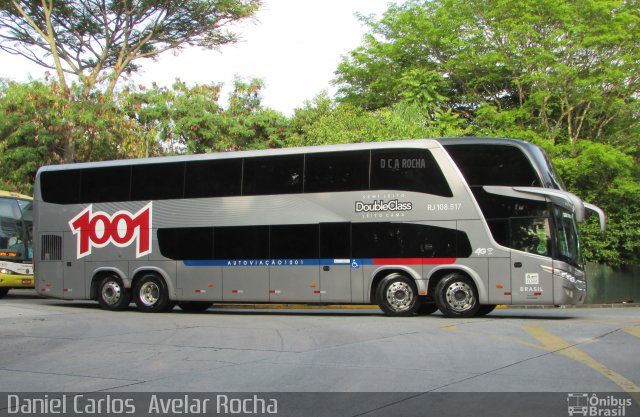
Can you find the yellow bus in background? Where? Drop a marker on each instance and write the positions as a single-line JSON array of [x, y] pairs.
[[16, 245]]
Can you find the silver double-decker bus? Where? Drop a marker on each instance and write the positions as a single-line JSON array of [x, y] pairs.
[[390, 223]]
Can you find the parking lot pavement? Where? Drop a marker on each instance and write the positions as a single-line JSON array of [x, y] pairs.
[[59, 346]]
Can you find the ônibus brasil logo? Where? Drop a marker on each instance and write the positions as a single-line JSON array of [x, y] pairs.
[[98, 229]]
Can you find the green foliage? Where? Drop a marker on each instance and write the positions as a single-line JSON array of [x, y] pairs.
[[323, 121], [566, 69], [40, 125], [188, 119], [99, 40], [604, 174]]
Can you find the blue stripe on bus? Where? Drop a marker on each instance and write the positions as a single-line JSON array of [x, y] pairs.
[[354, 263], [267, 262]]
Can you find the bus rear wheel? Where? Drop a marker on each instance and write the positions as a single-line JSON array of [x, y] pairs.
[[112, 295], [457, 296], [398, 296], [151, 294]]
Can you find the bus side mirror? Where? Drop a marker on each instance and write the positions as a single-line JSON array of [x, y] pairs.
[[602, 218]]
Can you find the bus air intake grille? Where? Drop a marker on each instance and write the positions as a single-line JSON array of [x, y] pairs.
[[51, 248]]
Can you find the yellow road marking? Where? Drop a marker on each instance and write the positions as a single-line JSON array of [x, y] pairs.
[[454, 328], [635, 330], [555, 344], [549, 342]]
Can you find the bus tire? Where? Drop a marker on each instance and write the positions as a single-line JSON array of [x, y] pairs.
[[112, 295], [485, 309], [457, 296], [427, 308], [4, 292], [194, 306], [397, 295], [151, 294]]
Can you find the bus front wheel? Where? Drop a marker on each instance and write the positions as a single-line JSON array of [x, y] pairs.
[[398, 296], [4, 292], [112, 295], [457, 296], [151, 294]]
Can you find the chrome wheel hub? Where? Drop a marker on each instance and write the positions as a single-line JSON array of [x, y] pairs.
[[149, 293], [400, 296], [460, 297], [111, 292]]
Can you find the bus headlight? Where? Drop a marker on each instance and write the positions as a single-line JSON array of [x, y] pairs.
[[569, 277], [6, 271]]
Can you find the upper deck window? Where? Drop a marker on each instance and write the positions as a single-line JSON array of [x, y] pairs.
[[337, 171], [408, 170], [213, 178], [273, 175], [494, 165]]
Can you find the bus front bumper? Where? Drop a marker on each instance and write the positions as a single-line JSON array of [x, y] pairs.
[[16, 281], [569, 289]]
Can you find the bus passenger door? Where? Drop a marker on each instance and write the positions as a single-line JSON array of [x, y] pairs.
[[531, 279], [335, 263], [531, 276]]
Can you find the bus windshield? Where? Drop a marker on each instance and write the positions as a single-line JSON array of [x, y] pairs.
[[566, 235], [16, 220]]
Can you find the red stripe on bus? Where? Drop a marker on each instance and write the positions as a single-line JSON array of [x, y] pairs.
[[414, 261]]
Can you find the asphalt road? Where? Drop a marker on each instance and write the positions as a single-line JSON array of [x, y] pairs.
[[54, 345]]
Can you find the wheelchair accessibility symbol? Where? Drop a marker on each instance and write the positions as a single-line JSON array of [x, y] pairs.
[[354, 264]]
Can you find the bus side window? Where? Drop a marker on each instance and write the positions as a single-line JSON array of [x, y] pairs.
[[157, 181], [335, 241], [213, 178], [273, 175], [493, 165], [186, 243], [61, 187], [531, 235], [100, 185], [241, 242], [340, 171], [407, 240], [409, 170], [298, 241]]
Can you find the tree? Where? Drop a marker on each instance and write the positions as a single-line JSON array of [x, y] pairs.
[[324, 121], [603, 173], [100, 40], [567, 69], [190, 119], [36, 121]]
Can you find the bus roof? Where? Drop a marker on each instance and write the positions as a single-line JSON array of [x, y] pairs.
[[413, 143]]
